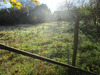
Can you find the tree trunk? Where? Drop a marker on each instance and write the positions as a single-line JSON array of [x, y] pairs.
[[75, 40]]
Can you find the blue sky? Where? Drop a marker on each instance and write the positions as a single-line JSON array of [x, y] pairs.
[[2, 5]]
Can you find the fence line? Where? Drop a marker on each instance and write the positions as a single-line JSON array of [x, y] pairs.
[[42, 58]]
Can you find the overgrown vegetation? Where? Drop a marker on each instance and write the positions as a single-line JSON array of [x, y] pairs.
[[26, 15], [49, 40], [37, 30]]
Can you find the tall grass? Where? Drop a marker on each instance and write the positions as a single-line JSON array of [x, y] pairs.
[[46, 39]]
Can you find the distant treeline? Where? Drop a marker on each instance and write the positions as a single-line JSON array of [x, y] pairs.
[[32, 15], [26, 15], [89, 16]]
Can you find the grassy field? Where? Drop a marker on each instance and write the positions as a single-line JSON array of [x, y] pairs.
[[52, 40]]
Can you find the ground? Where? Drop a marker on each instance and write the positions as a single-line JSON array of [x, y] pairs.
[[52, 40]]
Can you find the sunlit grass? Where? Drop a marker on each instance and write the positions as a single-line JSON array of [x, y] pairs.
[[46, 39]]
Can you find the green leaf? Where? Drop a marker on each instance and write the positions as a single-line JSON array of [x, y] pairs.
[[88, 68]]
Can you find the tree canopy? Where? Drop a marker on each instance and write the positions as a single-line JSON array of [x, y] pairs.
[[18, 4]]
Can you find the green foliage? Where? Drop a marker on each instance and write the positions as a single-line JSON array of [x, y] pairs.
[[33, 39], [89, 55], [87, 46], [49, 40], [26, 15]]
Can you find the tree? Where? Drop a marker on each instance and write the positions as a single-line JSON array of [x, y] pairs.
[[89, 15], [93, 11], [18, 4]]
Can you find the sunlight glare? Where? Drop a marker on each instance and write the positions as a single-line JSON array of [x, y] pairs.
[[52, 4]]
